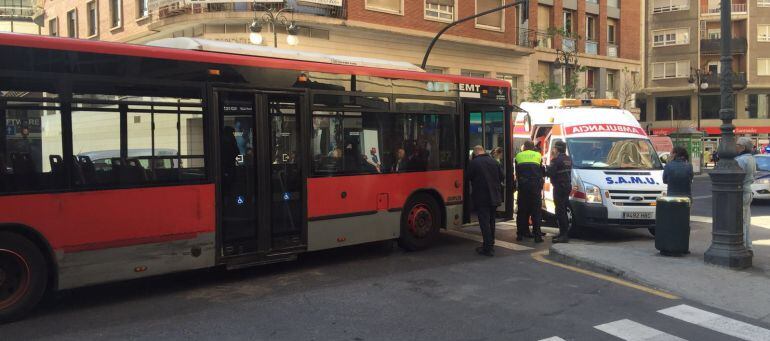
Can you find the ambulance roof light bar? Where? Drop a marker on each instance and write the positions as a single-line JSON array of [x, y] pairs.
[[573, 103]]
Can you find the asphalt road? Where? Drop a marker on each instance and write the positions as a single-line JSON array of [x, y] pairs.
[[702, 206], [370, 292]]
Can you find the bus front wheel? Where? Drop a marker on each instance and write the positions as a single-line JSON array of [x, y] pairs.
[[22, 276], [420, 223]]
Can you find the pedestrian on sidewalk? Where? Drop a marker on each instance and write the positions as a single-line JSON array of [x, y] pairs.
[[678, 174], [560, 173], [530, 176], [486, 178], [746, 161]]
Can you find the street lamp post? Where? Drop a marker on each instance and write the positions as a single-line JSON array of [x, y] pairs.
[[727, 248], [697, 77], [569, 61], [273, 17]]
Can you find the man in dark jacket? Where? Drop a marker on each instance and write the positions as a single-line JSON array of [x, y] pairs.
[[560, 173], [486, 177]]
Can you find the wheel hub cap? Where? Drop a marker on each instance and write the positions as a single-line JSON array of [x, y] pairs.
[[420, 221], [14, 278]]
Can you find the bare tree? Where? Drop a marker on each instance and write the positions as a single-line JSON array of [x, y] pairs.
[[630, 86]]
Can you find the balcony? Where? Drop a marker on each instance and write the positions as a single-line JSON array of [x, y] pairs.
[[714, 81], [736, 9], [172, 8], [712, 46], [16, 12], [592, 47], [534, 38], [612, 51], [568, 45]]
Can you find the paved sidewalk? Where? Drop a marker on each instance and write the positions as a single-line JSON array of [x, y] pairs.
[[742, 292]]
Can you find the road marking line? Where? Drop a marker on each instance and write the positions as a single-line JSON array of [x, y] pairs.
[[553, 338], [633, 331], [500, 243], [540, 257], [716, 322]]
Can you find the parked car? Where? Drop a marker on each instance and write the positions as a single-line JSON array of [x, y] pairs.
[[761, 185]]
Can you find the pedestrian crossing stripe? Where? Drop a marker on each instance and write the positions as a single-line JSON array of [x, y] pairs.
[[716, 322], [632, 331], [553, 338]]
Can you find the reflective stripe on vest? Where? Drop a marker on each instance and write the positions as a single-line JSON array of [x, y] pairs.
[[528, 156]]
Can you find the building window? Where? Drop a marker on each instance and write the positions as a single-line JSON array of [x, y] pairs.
[[611, 27], [513, 80], [92, 10], [116, 13], [442, 10], [612, 81], [569, 23], [72, 24], [435, 69], [759, 105], [390, 6], [668, 70], [593, 1], [474, 73], [763, 32], [492, 21], [763, 3], [613, 3], [591, 31], [53, 27], [660, 6], [672, 108], [679, 36], [142, 10], [763, 66]]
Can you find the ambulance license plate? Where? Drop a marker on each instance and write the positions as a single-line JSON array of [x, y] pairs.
[[637, 215]]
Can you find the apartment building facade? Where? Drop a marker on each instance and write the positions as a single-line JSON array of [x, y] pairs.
[[683, 40], [513, 44]]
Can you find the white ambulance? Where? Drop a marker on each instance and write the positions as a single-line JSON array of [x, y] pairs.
[[616, 174]]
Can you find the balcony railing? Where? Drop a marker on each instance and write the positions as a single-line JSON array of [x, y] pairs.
[[181, 7], [712, 46], [568, 44], [612, 51], [714, 81], [534, 38], [592, 47], [16, 12], [736, 9]]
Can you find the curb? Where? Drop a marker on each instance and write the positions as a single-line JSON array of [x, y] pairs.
[[595, 266]]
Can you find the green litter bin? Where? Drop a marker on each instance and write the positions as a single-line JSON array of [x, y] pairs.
[[672, 226]]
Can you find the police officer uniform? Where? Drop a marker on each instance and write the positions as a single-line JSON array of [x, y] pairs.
[[529, 178], [560, 173]]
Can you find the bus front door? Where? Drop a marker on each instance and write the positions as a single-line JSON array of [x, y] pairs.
[[261, 181], [487, 127]]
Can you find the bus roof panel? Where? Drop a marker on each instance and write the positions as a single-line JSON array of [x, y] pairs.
[[122, 49]]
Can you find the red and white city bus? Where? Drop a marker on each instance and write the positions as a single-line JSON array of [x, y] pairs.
[[123, 161]]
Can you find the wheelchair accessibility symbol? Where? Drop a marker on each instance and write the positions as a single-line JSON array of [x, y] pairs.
[[240, 200], [286, 196]]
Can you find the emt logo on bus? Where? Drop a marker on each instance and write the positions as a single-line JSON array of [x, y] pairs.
[[604, 128]]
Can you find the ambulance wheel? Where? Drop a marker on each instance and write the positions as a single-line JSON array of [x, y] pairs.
[[22, 276], [420, 223], [652, 231]]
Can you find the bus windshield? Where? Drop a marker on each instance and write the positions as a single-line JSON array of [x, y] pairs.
[[612, 153]]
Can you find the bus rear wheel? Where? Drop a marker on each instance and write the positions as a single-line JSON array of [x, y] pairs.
[[420, 223], [22, 276]]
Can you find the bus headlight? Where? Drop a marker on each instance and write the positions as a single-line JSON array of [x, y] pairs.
[[593, 193]]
